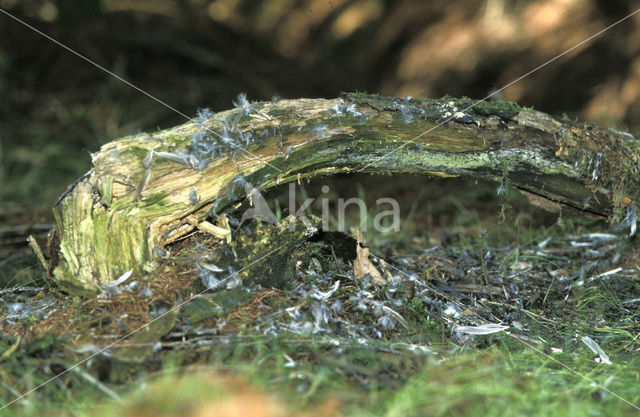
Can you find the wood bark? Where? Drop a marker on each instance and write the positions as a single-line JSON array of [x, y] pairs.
[[113, 218]]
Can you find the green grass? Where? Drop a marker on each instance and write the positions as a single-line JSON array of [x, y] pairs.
[[514, 381], [505, 379], [489, 376]]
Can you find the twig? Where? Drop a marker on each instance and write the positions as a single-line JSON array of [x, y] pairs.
[[21, 288], [509, 306], [35, 247]]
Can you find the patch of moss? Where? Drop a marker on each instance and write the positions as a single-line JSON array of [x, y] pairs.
[[504, 109], [261, 252]]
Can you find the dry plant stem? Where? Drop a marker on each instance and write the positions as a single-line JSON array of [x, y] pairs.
[[35, 248], [101, 231]]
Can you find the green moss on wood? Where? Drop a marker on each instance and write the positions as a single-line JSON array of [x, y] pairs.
[[103, 233], [504, 109]]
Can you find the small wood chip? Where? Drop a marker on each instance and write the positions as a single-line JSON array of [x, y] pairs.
[[210, 228]]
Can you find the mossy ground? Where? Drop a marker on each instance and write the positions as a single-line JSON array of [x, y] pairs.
[[270, 348]]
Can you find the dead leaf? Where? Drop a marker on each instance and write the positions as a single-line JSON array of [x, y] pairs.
[[362, 265]]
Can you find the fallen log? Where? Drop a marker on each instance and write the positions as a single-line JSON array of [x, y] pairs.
[[148, 190]]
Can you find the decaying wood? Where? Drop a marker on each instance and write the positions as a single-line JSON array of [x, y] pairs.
[[131, 202]]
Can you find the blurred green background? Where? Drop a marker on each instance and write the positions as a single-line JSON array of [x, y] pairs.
[[55, 108]]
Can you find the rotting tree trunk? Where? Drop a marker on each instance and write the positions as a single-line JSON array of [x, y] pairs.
[[111, 219]]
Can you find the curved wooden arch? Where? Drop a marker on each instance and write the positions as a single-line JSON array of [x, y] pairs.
[[145, 191]]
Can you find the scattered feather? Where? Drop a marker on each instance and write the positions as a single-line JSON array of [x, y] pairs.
[[591, 344], [321, 314], [93, 350], [145, 292], [243, 104], [320, 131], [631, 219], [176, 158], [290, 362], [148, 160], [210, 267], [452, 310], [486, 329], [501, 190], [324, 296], [386, 322], [194, 198]]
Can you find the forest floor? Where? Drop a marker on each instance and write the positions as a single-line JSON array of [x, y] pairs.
[[491, 307], [564, 288]]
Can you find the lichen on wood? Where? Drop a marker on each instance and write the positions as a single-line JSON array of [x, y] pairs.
[[102, 230]]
